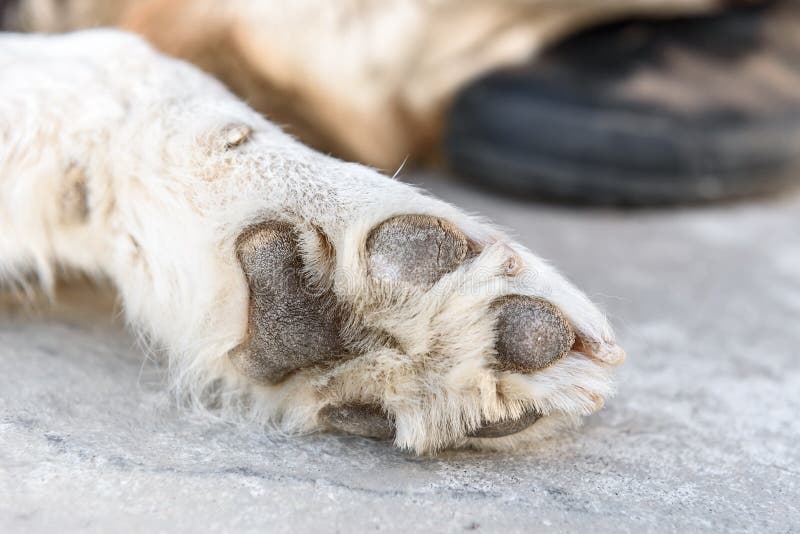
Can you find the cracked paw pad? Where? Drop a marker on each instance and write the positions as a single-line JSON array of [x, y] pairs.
[[415, 249]]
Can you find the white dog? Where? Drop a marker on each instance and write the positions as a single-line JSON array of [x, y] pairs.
[[282, 284]]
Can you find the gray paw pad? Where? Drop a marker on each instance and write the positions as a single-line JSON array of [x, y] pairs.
[[531, 333], [506, 428], [415, 249], [291, 326], [360, 419]]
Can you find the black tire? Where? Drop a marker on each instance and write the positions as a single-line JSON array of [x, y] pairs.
[[566, 128], [5, 14]]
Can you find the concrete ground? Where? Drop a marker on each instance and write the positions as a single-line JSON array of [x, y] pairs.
[[703, 435]]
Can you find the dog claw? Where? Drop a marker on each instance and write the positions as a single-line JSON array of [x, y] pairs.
[[507, 427]]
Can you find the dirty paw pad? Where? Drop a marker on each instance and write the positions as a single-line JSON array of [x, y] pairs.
[[291, 325], [531, 333], [360, 419], [415, 249]]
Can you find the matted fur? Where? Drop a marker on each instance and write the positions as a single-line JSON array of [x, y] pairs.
[[165, 196]]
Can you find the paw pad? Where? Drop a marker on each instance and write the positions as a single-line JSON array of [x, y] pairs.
[[291, 325], [361, 419], [531, 333], [236, 134], [415, 249]]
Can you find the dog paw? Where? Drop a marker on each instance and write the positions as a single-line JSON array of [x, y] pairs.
[[419, 333], [281, 283]]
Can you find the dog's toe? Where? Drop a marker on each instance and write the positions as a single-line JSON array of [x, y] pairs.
[[506, 427], [531, 333], [415, 249], [361, 419]]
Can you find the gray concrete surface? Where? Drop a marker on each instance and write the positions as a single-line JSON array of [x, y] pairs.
[[703, 435]]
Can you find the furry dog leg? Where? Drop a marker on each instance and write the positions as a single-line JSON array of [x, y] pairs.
[[282, 284]]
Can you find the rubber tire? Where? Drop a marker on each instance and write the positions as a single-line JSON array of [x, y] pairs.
[[544, 132]]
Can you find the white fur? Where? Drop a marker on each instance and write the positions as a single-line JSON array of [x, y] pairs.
[[167, 200]]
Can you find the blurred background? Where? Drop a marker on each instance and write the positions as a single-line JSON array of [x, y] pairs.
[[623, 102]]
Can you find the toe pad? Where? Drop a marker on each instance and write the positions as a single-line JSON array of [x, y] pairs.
[[415, 249], [531, 333], [361, 419], [507, 427]]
